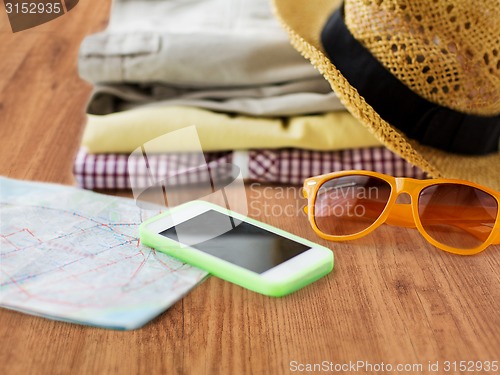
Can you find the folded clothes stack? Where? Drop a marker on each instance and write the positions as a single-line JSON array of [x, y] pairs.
[[226, 67]]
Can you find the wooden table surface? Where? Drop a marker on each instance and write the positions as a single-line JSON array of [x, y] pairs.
[[392, 298]]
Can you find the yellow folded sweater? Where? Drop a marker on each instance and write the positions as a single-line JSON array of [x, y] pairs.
[[122, 132]]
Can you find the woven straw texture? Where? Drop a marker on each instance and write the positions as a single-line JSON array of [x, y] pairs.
[[445, 51], [304, 20]]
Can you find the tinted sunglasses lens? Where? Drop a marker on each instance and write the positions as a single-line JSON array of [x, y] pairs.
[[456, 215], [350, 204]]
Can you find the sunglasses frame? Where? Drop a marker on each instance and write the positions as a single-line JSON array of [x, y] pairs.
[[413, 188]]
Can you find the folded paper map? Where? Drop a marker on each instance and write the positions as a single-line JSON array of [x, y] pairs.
[[75, 255]]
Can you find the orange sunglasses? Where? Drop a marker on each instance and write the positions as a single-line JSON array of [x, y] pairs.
[[457, 216]]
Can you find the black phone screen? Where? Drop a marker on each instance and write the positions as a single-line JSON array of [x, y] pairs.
[[245, 245]]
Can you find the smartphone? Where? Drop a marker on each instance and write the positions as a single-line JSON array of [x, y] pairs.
[[236, 248]]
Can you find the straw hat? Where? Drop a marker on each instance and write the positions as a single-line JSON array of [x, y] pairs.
[[422, 75]]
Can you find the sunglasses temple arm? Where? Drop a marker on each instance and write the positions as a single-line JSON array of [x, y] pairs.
[[473, 227], [401, 215]]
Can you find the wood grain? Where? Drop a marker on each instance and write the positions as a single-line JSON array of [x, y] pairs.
[[391, 298]]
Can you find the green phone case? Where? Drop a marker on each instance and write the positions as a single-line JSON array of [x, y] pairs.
[[229, 271]]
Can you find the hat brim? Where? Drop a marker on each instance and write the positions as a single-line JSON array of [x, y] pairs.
[[304, 20]]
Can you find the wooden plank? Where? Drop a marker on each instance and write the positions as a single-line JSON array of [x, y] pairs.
[[42, 98]]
